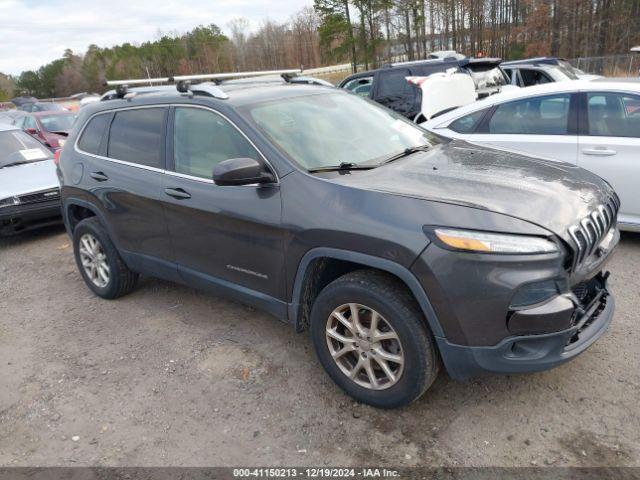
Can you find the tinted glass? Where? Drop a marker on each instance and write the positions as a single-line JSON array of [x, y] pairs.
[[202, 139], [468, 123], [330, 128], [393, 85], [136, 136], [533, 77], [614, 115], [533, 116], [17, 147], [92, 135]]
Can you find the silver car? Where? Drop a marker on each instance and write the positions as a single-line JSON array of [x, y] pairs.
[[29, 186]]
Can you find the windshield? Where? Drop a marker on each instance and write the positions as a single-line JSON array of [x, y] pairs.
[[17, 147], [57, 123], [328, 129], [489, 78], [567, 70]]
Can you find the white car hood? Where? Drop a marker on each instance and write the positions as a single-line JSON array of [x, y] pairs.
[[28, 178]]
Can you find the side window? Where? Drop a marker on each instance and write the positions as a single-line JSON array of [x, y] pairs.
[[533, 77], [361, 86], [136, 136], [614, 115], [468, 123], [29, 122], [533, 116], [92, 135], [202, 139], [394, 86]]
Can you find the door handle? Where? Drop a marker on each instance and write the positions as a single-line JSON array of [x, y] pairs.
[[178, 193], [99, 176], [599, 151]]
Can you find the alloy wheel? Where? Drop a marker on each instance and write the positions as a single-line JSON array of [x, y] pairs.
[[94, 260], [364, 346]]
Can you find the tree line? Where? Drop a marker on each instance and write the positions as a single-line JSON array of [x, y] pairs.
[[365, 33]]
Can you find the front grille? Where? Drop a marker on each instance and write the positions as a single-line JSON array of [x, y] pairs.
[[44, 196], [589, 232]]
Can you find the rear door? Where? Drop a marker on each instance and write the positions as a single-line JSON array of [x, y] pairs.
[[539, 126], [609, 145], [225, 236], [123, 161]]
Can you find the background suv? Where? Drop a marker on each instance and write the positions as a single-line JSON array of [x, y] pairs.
[[342, 218]]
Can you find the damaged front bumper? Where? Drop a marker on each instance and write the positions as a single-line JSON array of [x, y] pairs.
[[589, 307]]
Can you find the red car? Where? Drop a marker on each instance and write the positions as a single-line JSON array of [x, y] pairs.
[[50, 128]]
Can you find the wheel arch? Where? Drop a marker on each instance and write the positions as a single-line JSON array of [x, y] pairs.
[[312, 275]]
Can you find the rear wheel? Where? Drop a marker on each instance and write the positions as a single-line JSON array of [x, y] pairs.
[[371, 338], [100, 264]]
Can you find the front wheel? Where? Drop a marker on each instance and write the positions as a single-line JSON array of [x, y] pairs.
[[371, 338]]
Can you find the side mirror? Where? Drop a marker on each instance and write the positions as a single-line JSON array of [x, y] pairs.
[[241, 171], [31, 131]]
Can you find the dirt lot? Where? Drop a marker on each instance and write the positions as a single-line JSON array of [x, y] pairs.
[[173, 376]]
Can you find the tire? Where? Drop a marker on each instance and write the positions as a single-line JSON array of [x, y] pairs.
[[374, 292], [121, 280]]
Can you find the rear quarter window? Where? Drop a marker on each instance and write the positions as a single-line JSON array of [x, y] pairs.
[[136, 136], [92, 134], [468, 123]]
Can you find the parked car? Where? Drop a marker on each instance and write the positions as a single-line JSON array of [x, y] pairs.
[[11, 117], [49, 128], [347, 220], [389, 87], [595, 125], [528, 74], [42, 107], [564, 66], [29, 186]]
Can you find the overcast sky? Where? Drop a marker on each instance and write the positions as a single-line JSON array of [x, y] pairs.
[[35, 32]]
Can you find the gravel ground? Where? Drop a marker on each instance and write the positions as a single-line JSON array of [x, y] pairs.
[[172, 376]]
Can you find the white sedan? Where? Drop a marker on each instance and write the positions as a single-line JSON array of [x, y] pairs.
[[594, 124]]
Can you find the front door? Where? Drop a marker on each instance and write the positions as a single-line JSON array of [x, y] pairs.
[[609, 145], [227, 236]]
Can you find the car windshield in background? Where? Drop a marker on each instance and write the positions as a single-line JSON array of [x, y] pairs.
[[323, 130], [16, 147], [57, 123]]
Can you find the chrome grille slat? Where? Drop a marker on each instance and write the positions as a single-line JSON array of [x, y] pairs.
[[37, 197], [588, 233]]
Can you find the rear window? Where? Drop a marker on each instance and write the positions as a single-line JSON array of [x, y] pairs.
[[92, 135], [136, 136]]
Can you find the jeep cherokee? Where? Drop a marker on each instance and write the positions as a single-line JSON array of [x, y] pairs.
[[397, 253]]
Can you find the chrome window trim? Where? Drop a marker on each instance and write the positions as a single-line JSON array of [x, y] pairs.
[[163, 170], [115, 160]]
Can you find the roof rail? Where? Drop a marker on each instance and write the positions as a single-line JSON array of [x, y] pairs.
[[184, 82]]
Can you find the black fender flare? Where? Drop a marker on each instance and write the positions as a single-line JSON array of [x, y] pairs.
[[383, 264]]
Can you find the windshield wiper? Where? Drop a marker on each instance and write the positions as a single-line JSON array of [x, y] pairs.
[[343, 167], [405, 153], [13, 164]]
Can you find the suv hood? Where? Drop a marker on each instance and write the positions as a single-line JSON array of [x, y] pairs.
[[28, 178], [550, 194]]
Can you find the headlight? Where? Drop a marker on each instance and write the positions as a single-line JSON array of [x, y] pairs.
[[494, 242], [9, 202]]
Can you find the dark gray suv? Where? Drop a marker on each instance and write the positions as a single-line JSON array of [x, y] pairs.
[[398, 253]]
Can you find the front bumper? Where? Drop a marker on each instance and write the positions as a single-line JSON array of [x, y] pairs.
[[532, 353], [21, 218]]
